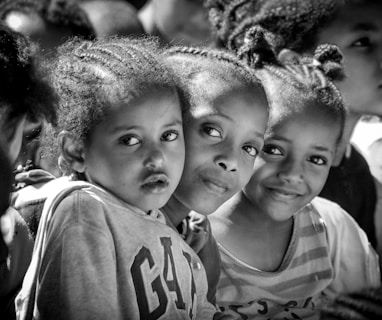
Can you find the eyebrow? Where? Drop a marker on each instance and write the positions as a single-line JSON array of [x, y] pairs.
[[137, 127], [219, 115], [317, 148], [365, 26]]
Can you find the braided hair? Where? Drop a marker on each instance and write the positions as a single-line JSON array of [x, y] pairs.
[[302, 77], [24, 89], [222, 70], [91, 77], [363, 305], [295, 23]]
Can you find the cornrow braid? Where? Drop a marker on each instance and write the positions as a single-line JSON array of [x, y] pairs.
[[364, 305], [312, 75], [91, 77], [284, 19], [214, 55]]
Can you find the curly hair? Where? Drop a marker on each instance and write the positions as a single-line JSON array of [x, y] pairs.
[[294, 23], [91, 77], [303, 78], [24, 88]]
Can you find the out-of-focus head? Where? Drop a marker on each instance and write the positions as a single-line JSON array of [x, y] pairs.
[[6, 180], [48, 23], [355, 26], [110, 18], [25, 92], [182, 22]]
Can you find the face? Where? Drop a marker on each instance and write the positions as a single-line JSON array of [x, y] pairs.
[[375, 159], [223, 139], [294, 163], [184, 21], [358, 33], [137, 152]]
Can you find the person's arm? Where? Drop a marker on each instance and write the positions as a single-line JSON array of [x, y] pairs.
[[78, 276], [355, 262]]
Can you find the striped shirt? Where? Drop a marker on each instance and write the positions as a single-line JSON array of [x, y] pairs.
[[328, 253]]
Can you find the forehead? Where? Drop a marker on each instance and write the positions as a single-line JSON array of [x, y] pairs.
[[363, 16]]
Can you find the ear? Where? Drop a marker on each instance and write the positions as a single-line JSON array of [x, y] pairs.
[[288, 56], [72, 151]]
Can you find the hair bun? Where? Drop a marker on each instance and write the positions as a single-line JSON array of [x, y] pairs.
[[330, 59], [257, 47]]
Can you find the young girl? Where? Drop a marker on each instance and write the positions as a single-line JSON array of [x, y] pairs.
[[109, 253], [283, 249], [355, 26], [225, 120]]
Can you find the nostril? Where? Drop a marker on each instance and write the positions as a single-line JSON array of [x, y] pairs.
[[223, 165]]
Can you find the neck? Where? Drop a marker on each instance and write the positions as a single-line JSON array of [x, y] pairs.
[[350, 123], [175, 211]]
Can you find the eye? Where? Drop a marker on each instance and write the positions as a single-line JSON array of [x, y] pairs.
[[170, 135], [129, 141], [252, 151], [212, 131], [272, 150], [362, 42], [318, 160]]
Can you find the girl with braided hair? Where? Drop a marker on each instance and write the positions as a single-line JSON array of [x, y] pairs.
[[225, 117], [284, 250], [355, 26], [108, 252]]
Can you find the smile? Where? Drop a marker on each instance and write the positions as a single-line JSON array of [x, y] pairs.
[[282, 194]]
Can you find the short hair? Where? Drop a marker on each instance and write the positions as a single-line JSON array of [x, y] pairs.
[[24, 88], [91, 76], [308, 77], [296, 23]]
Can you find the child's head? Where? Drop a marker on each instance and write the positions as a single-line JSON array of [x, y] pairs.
[[48, 23], [119, 119], [224, 123], [305, 125], [355, 26], [24, 90], [181, 21]]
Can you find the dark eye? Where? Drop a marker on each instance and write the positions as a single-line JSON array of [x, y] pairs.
[[272, 150], [362, 42], [318, 160], [212, 132], [129, 141], [252, 151], [170, 135]]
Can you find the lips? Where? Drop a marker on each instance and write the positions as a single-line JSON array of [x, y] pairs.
[[216, 185], [283, 194], [156, 183]]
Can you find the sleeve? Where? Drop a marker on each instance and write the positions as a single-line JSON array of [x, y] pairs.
[[78, 273], [355, 263]]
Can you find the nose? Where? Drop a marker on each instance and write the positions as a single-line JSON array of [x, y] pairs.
[[291, 171], [227, 161], [154, 159]]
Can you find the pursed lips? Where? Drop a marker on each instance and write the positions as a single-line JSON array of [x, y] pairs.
[[156, 181], [216, 185]]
